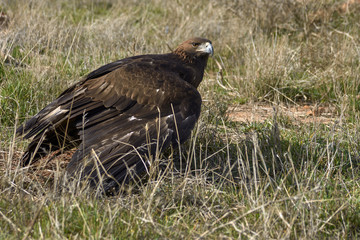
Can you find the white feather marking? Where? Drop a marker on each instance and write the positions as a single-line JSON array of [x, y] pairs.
[[127, 135], [79, 92], [102, 86], [122, 139], [55, 112], [132, 118], [169, 116]]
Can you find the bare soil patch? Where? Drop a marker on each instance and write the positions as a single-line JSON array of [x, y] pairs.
[[305, 113]]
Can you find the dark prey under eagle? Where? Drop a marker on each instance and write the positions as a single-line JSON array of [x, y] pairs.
[[121, 114]]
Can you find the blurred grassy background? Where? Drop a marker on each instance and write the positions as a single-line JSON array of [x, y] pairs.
[[278, 178]]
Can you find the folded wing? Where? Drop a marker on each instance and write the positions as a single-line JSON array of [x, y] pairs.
[[118, 117]]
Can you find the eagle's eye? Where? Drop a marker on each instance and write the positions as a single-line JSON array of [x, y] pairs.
[[195, 44]]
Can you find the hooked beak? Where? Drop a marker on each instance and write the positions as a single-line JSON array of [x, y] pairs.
[[206, 48]]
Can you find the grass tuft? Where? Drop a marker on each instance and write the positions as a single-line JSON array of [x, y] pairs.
[[278, 176]]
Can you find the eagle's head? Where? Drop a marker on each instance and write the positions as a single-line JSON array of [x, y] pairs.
[[195, 48]]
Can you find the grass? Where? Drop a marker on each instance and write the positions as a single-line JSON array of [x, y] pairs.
[[276, 179]]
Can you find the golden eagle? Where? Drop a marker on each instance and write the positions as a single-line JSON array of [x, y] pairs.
[[122, 113]]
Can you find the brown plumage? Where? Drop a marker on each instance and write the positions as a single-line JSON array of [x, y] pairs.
[[123, 112]]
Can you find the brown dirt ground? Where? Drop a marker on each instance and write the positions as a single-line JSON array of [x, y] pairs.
[[304, 113]]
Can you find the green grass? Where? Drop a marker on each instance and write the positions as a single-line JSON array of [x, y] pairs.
[[280, 178]]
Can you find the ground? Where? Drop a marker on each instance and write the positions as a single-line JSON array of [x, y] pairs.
[[274, 155], [299, 113]]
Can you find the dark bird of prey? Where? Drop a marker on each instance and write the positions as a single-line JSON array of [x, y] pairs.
[[121, 114]]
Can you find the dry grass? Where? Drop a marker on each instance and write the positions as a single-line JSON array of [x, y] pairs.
[[272, 179]]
